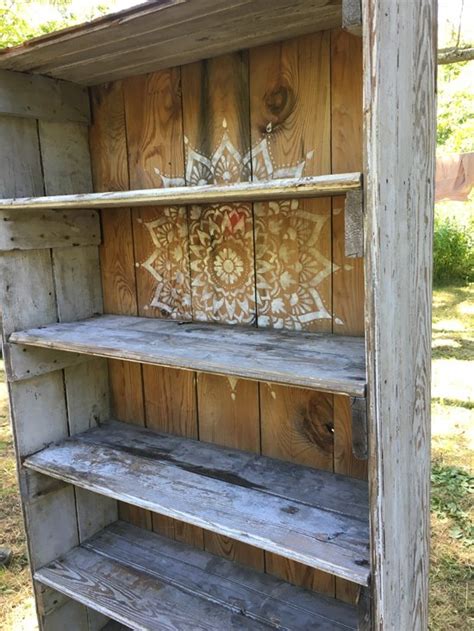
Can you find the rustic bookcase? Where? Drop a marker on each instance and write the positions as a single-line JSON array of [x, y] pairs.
[[215, 261]]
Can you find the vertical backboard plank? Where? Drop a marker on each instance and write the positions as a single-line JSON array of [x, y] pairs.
[[155, 152], [290, 115], [108, 144], [217, 136]]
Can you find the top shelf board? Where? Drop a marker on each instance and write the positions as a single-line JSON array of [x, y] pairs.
[[329, 363], [166, 33], [290, 188]]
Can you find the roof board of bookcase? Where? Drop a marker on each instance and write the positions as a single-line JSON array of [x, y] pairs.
[[166, 33]]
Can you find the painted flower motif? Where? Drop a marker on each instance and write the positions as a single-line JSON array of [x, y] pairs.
[[228, 266], [219, 268]]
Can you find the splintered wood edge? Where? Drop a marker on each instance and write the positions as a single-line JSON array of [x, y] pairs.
[[291, 188]]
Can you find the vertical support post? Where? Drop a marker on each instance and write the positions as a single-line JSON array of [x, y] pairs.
[[399, 106]]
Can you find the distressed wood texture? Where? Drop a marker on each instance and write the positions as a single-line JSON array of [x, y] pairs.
[[44, 229], [153, 583], [330, 363], [27, 96], [22, 274], [164, 34], [400, 157], [108, 143], [289, 108], [201, 193], [221, 248], [352, 16], [66, 168], [309, 516], [348, 276], [155, 146]]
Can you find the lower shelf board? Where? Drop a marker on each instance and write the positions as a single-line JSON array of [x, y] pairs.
[[145, 581], [314, 517]]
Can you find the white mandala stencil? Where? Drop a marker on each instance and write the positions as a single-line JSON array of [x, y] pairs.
[[290, 269]]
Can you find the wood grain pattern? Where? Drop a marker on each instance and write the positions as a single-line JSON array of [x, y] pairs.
[[400, 87], [27, 295], [348, 279], [27, 96], [147, 38], [229, 492], [155, 148], [290, 110], [217, 135], [330, 363], [175, 193], [153, 583], [108, 143]]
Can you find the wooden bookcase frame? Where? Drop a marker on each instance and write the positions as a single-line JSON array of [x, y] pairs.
[[44, 152]]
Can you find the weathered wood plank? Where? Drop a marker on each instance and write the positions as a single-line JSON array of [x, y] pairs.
[[221, 490], [252, 594], [352, 16], [290, 121], [40, 229], [348, 276], [354, 225], [160, 237], [66, 159], [360, 447], [20, 172], [30, 96], [166, 34], [25, 362], [217, 134], [110, 168], [324, 362], [399, 86], [277, 189]]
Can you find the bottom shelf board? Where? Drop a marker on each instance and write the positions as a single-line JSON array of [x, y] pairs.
[[313, 517], [145, 581]]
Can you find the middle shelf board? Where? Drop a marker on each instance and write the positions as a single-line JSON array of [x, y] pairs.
[[325, 362], [314, 517], [151, 583]]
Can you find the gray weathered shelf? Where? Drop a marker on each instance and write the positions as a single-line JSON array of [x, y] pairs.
[[330, 363], [149, 582], [311, 516], [291, 188]]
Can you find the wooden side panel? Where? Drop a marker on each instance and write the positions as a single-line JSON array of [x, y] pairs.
[[27, 297], [400, 87], [108, 145], [221, 240], [348, 279], [290, 116], [155, 152]]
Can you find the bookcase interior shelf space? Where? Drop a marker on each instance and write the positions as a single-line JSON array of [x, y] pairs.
[[326, 362], [139, 578], [311, 516]]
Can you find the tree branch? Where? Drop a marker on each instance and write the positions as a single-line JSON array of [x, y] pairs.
[[454, 54]]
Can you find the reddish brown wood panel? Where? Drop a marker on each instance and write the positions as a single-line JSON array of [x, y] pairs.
[[221, 238], [110, 172], [290, 122], [348, 279], [155, 152]]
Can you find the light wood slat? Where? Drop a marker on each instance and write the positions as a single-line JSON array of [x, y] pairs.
[[25, 362], [304, 515], [165, 34], [39, 229], [28, 96], [290, 188], [321, 361], [400, 52], [149, 582]]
